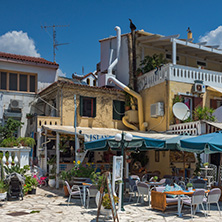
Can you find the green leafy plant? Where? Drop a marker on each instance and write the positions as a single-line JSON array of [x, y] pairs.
[[204, 113], [65, 176], [82, 170], [155, 178], [30, 183], [98, 179], [206, 164], [106, 201], [16, 169], [3, 187], [198, 165], [29, 115], [149, 63], [189, 185], [9, 128], [9, 142], [177, 98], [26, 141]]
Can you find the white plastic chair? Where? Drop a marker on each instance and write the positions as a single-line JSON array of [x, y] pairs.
[[75, 190], [196, 199], [91, 192], [143, 190], [213, 197]]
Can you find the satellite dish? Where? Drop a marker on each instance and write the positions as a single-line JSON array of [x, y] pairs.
[[181, 111]]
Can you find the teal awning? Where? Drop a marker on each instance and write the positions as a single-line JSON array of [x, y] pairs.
[[208, 143], [142, 143]]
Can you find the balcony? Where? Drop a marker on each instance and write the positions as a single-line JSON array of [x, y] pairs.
[[179, 73], [47, 120]]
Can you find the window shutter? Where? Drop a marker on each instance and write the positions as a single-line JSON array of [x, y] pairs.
[[94, 107], [118, 107], [197, 102], [213, 103], [80, 106]]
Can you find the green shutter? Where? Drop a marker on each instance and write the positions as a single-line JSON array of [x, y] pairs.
[[94, 107], [81, 106]]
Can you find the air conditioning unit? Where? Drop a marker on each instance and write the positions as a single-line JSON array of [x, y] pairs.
[[16, 104], [157, 109], [199, 87]]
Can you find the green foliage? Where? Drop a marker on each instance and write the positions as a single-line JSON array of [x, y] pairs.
[[206, 164], [155, 178], [26, 141], [189, 185], [106, 201], [9, 142], [16, 169], [66, 175], [98, 179], [12, 141], [3, 187], [82, 170], [177, 98], [198, 165], [9, 128], [204, 113], [30, 183], [151, 62], [52, 161]]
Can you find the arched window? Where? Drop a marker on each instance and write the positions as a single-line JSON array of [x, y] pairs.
[[88, 81]]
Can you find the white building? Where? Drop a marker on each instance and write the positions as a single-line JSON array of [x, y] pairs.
[[21, 78]]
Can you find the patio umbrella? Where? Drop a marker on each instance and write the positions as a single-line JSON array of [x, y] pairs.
[[142, 143], [208, 143]]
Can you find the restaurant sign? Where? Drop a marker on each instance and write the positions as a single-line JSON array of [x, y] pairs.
[[93, 137]]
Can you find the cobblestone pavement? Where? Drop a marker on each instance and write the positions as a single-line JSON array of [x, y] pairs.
[[52, 206]]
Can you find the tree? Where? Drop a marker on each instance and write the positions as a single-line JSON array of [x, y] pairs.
[[9, 128]]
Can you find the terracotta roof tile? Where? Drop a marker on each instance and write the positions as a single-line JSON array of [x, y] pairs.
[[26, 58]]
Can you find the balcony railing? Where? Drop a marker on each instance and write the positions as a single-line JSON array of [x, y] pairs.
[[180, 74], [47, 120]]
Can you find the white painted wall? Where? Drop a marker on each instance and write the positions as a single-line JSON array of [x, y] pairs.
[[91, 78], [46, 76], [122, 68]]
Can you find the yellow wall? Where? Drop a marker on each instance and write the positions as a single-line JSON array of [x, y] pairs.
[[104, 107], [153, 95]]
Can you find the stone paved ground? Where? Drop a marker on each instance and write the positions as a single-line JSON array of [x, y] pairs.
[[53, 207]]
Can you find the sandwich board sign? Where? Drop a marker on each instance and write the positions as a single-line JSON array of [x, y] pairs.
[[107, 181]]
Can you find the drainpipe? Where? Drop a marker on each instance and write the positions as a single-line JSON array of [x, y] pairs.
[[142, 124], [118, 32]]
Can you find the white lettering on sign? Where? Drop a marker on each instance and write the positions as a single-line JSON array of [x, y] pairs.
[[93, 137]]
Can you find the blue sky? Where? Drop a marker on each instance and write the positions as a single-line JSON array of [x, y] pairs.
[[90, 21]]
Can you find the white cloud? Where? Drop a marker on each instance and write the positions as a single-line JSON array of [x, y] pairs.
[[213, 37], [60, 73], [18, 43]]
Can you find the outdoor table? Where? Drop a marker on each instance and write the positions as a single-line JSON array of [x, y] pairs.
[[84, 185], [180, 193], [154, 184]]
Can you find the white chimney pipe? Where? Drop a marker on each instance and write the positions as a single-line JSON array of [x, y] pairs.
[[118, 32]]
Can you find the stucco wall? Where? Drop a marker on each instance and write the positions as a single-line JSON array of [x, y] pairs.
[[153, 95], [104, 108]]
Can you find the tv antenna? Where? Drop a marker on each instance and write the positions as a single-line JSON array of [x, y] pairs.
[[55, 43]]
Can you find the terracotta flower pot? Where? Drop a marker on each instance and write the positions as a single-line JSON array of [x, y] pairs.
[[66, 192]]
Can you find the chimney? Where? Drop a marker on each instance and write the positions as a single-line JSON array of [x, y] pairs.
[[189, 33]]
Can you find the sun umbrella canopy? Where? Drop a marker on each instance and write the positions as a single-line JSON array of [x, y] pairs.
[[208, 143], [174, 143], [143, 143]]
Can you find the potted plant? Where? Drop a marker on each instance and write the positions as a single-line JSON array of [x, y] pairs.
[[155, 178], [98, 179], [206, 165], [52, 176], [29, 115], [30, 185], [3, 190], [190, 186], [65, 176]]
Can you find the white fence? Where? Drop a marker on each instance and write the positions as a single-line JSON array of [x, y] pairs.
[[20, 155], [179, 73]]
